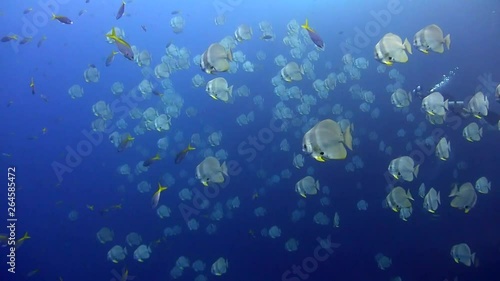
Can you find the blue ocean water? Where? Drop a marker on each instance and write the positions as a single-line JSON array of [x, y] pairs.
[[59, 169]]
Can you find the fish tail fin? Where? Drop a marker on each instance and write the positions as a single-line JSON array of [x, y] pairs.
[[447, 41], [415, 170], [407, 46], [224, 168], [26, 236], [54, 16], [446, 104], [306, 26], [454, 191], [481, 132], [112, 35], [231, 91], [230, 55], [348, 137], [408, 194], [157, 156], [190, 147], [439, 197]]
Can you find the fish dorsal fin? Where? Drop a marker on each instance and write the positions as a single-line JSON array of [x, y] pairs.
[[348, 138], [408, 194], [415, 170]]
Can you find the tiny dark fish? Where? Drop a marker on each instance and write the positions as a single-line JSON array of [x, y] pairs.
[[124, 143], [176, 12], [9, 38], [157, 93], [92, 65], [62, 19], [27, 11], [144, 28], [111, 58], [32, 86], [82, 12], [121, 11], [39, 44], [25, 40], [181, 155], [151, 160], [267, 37]]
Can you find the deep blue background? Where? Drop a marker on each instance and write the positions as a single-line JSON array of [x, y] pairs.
[[418, 248]]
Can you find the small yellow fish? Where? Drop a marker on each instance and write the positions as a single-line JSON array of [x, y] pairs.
[[124, 276], [156, 196], [21, 240], [39, 44], [151, 160], [117, 39]]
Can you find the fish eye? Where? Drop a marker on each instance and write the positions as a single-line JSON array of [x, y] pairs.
[[305, 147], [321, 153], [390, 58]]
